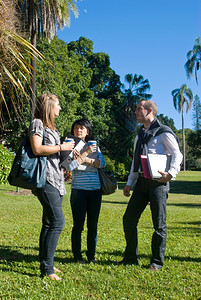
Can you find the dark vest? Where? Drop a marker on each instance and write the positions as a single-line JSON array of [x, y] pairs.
[[155, 129]]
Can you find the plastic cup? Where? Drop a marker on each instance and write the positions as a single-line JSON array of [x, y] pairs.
[[92, 143], [67, 140]]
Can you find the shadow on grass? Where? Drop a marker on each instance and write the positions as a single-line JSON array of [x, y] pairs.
[[9, 254], [185, 187], [16, 256], [192, 223], [120, 254], [187, 205], [114, 202], [178, 187]]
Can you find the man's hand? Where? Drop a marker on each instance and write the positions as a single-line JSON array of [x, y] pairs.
[[165, 177], [126, 190]]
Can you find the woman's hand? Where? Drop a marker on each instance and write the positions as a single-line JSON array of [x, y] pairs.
[[67, 146], [82, 158], [79, 157], [91, 148]]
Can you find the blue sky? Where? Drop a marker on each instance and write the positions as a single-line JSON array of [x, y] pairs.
[[149, 37]]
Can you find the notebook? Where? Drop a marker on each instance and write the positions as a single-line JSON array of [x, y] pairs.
[[145, 167], [67, 156], [152, 163]]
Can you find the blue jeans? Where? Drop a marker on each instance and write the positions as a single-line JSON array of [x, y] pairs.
[[52, 224], [85, 202], [145, 191]]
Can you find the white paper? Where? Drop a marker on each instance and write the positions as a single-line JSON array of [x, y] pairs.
[[158, 162], [78, 147]]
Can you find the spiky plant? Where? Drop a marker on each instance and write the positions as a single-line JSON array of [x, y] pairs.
[[15, 68]]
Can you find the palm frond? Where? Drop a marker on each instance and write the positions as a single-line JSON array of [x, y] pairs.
[[15, 68], [193, 59]]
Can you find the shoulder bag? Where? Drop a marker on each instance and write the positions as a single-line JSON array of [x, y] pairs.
[[28, 170], [108, 182]]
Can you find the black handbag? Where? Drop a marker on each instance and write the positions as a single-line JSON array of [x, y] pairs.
[[108, 182], [28, 170]]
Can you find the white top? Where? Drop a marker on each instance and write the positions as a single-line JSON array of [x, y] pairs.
[[164, 143]]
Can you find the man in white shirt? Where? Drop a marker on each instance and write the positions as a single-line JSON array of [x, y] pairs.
[[159, 139]]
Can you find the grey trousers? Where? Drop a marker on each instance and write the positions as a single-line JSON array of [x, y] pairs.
[[145, 191]]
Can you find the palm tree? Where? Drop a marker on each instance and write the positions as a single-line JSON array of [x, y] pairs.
[[182, 96], [194, 59], [136, 91], [15, 70], [43, 17]]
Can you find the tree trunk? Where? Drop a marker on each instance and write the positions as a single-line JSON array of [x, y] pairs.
[[183, 137], [33, 77]]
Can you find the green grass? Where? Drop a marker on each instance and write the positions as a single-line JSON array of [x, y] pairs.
[[180, 278]]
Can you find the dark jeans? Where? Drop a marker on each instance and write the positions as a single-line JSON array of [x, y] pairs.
[[85, 202], [52, 224], [145, 191]]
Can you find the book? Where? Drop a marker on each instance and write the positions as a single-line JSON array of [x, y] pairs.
[[152, 163], [158, 162], [145, 167], [67, 156]]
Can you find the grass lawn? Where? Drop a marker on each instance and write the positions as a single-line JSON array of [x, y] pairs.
[[180, 278]]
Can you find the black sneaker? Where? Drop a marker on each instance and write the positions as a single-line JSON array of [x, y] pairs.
[[93, 261], [80, 261]]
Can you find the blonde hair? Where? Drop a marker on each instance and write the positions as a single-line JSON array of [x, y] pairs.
[[44, 110], [150, 104]]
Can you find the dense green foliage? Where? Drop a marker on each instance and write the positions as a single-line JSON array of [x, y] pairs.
[[88, 88], [169, 122], [179, 279], [6, 159], [197, 113], [194, 144]]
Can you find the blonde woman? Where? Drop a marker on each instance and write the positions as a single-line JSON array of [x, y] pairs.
[[51, 195]]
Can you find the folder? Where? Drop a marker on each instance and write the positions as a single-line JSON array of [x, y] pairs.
[[66, 157], [152, 163], [145, 167]]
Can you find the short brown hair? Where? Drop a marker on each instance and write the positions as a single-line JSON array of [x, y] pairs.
[[151, 104], [44, 110]]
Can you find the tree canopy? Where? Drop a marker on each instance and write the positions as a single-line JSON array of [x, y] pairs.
[[87, 87]]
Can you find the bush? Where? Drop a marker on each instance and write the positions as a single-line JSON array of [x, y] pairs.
[[193, 164], [121, 172], [117, 168], [6, 160], [110, 164]]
